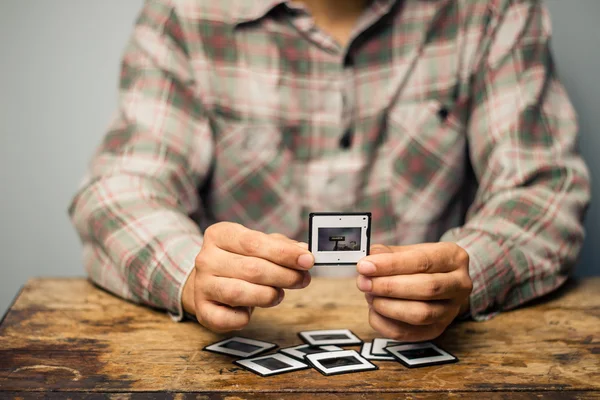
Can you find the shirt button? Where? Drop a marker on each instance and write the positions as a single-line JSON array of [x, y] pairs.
[[346, 139]]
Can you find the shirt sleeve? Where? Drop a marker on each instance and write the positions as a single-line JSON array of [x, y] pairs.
[[524, 230], [132, 209]]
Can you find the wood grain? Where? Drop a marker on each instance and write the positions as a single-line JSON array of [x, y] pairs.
[[66, 335]]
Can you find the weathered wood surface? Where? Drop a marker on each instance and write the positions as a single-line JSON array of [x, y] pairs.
[[65, 335]]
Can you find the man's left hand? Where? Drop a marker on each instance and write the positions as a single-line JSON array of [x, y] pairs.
[[414, 292]]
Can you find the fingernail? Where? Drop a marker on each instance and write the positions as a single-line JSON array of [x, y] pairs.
[[304, 283], [369, 298], [365, 284], [306, 261], [303, 245], [306, 280], [366, 267], [280, 298]]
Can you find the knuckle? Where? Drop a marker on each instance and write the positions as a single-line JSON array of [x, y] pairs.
[[253, 271], [461, 257], [433, 287], [387, 287], [250, 242], [424, 262], [426, 315], [267, 297], [232, 295], [201, 261]]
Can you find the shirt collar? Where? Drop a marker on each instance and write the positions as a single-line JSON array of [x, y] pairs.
[[252, 10]]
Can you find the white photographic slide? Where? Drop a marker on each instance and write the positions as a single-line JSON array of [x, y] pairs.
[[379, 345], [420, 355], [299, 352], [339, 337], [271, 364], [365, 351], [339, 238], [340, 362], [240, 347]]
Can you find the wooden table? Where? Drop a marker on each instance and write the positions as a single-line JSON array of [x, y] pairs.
[[66, 335]]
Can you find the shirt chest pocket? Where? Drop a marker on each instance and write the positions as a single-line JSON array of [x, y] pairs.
[[253, 178], [426, 150]]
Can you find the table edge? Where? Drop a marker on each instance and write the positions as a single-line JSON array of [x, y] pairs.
[[12, 303], [305, 392]]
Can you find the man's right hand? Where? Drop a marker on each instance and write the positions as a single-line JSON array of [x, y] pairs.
[[239, 269]]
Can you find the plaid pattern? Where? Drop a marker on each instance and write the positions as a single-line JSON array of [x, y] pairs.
[[234, 109]]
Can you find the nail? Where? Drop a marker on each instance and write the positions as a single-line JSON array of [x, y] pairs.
[[366, 267], [306, 261], [365, 284], [306, 280], [304, 283], [303, 245], [280, 298]]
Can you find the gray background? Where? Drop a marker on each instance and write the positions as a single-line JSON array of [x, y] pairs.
[[59, 64]]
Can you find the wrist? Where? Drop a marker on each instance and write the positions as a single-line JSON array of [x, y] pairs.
[[465, 306], [187, 296]]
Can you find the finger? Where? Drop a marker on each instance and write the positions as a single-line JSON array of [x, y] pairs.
[[415, 312], [302, 245], [414, 287], [238, 239], [236, 292], [283, 237], [421, 259], [399, 249], [379, 248], [402, 331], [221, 318], [255, 270]]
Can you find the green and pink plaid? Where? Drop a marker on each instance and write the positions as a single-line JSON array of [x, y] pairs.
[[234, 110]]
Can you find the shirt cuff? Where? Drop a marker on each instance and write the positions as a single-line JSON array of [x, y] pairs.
[[180, 315], [185, 258]]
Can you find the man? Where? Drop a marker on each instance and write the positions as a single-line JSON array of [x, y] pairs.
[[237, 118]]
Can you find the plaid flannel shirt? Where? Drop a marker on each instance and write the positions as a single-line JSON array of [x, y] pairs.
[[234, 110]]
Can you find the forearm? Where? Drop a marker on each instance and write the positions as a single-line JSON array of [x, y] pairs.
[[132, 210], [138, 245], [512, 262], [524, 230]]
